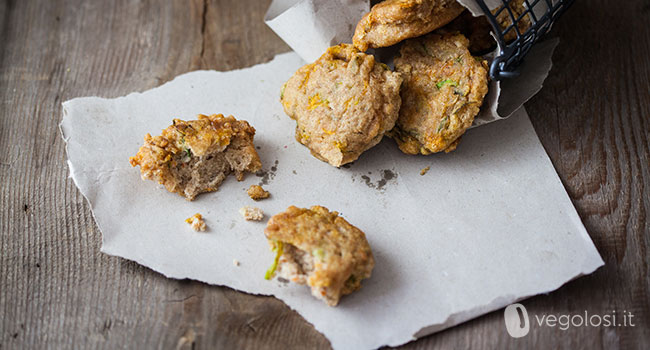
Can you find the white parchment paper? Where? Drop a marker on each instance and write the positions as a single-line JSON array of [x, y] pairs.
[[309, 27], [489, 224]]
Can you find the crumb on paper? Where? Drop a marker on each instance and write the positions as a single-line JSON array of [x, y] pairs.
[[196, 222], [424, 171], [251, 213], [256, 192], [235, 262]]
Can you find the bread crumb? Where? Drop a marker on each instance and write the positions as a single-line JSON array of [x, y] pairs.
[[235, 262], [257, 193], [196, 222], [425, 170], [251, 213]]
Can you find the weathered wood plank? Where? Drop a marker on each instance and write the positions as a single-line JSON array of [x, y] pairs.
[[58, 290]]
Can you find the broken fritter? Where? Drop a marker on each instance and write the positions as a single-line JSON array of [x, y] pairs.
[[192, 157], [321, 249], [443, 90], [392, 21], [342, 104]]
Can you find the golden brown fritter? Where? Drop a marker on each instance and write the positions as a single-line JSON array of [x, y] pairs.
[[443, 90], [192, 157], [477, 29], [321, 249], [342, 104], [392, 21]]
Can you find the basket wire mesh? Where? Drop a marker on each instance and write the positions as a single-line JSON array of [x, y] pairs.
[[541, 14]]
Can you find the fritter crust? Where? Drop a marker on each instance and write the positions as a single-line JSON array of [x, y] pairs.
[[321, 249], [192, 157], [342, 104], [443, 90], [392, 21]]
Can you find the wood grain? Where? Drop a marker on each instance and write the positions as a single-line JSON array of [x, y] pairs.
[[57, 290]]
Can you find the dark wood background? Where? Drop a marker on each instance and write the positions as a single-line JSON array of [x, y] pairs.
[[58, 290]]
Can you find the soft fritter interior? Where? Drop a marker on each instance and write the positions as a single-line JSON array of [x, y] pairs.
[[196, 175], [297, 265]]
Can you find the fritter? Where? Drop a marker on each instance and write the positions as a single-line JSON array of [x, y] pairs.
[[443, 90], [321, 249], [392, 21], [342, 104], [192, 157]]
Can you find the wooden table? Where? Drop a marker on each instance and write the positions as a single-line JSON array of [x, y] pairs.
[[58, 290]]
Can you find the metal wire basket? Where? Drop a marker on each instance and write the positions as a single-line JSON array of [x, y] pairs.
[[541, 14]]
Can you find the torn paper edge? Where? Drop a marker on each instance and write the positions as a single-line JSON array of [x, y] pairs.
[[497, 304]]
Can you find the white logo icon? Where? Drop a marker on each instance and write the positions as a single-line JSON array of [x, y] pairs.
[[517, 324]]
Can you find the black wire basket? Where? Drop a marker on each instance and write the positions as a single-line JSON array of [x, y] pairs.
[[540, 13]]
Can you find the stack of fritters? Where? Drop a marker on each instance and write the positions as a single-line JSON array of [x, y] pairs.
[[345, 102]]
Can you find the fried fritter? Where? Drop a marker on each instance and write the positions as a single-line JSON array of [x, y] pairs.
[[321, 249], [192, 157], [342, 104], [392, 21], [443, 90]]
